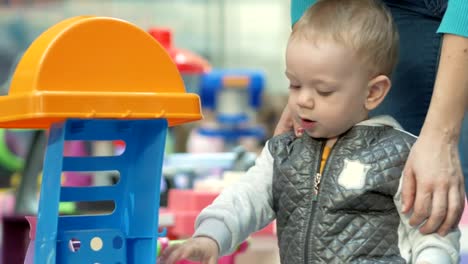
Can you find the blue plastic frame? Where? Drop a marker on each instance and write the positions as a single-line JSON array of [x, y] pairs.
[[128, 234]]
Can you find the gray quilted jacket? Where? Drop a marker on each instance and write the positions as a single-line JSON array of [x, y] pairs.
[[346, 214]]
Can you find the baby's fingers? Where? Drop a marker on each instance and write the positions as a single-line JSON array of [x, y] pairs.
[[175, 253], [168, 251], [202, 249]]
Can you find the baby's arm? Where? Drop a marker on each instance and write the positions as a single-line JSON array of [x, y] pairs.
[[238, 211], [418, 248]]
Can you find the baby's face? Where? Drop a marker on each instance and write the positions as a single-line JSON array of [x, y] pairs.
[[328, 88]]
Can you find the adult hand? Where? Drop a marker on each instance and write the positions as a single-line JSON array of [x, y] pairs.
[[433, 184], [201, 249], [287, 123]]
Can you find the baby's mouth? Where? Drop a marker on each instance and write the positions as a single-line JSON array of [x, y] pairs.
[[307, 123]]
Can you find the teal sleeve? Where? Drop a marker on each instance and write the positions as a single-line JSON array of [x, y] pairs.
[[455, 20], [298, 7]]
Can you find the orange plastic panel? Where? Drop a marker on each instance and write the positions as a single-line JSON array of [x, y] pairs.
[[96, 67], [239, 82]]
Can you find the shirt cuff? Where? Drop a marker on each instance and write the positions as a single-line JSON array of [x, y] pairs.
[[434, 255], [218, 231]]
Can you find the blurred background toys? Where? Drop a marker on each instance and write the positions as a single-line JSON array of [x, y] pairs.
[[186, 171], [230, 100], [13, 148], [191, 67]]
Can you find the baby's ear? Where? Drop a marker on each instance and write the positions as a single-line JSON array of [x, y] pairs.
[[377, 89]]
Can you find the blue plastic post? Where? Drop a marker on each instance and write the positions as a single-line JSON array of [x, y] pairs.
[[47, 216], [128, 234]]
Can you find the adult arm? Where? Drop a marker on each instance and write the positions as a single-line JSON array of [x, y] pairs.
[[433, 180]]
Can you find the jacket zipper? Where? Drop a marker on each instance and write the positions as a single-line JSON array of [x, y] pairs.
[[315, 193], [318, 172], [318, 178]]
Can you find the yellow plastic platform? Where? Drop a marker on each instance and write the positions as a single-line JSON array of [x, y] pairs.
[[96, 67]]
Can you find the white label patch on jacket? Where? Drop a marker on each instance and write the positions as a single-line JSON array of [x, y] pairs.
[[353, 175]]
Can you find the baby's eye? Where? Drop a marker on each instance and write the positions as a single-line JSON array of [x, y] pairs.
[[325, 93], [294, 87]]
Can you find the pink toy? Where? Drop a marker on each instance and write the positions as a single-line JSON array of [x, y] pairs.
[[7, 203], [73, 178], [32, 220], [185, 205], [464, 219]]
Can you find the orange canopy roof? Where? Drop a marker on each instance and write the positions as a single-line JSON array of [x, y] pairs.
[[95, 67]]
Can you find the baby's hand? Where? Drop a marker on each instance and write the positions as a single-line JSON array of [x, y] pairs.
[[202, 249]]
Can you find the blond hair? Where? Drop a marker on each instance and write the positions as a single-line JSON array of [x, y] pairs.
[[366, 26]]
